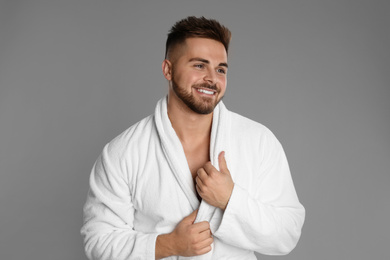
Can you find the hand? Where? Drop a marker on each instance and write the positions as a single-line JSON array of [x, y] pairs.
[[214, 186], [187, 239]]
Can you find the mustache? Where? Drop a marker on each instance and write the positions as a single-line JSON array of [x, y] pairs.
[[207, 86]]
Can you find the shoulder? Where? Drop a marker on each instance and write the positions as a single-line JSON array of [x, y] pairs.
[[254, 133], [255, 138], [131, 137], [249, 127]]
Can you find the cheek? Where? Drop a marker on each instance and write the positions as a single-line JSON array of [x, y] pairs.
[[223, 84], [189, 78]]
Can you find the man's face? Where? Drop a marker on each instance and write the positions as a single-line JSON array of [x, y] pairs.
[[199, 74]]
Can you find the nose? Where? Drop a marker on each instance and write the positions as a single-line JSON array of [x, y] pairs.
[[211, 76]]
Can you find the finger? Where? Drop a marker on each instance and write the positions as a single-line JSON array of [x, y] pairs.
[[200, 193], [204, 246], [202, 174], [199, 184], [204, 250], [205, 242], [209, 168], [205, 234], [191, 218], [202, 226], [222, 163]]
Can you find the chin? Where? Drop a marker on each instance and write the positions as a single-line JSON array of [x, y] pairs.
[[199, 108]]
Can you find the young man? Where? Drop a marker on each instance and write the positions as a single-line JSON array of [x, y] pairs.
[[194, 179]]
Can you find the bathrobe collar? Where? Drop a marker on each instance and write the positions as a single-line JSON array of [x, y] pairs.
[[174, 152]]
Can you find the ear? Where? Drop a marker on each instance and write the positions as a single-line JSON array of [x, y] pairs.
[[167, 69]]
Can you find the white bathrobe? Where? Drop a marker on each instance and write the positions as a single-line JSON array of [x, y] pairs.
[[141, 186]]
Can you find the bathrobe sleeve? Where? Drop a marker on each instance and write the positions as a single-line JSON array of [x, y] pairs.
[[266, 216], [108, 229]]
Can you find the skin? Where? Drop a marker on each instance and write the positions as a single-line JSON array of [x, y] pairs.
[[197, 64], [214, 186]]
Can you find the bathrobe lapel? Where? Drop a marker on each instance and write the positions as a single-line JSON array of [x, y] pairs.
[[219, 141], [174, 152]]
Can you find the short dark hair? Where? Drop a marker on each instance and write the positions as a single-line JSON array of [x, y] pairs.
[[194, 27]]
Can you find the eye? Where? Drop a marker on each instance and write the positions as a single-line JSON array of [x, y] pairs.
[[222, 71], [199, 66]]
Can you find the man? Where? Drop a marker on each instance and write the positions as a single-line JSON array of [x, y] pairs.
[[193, 179]]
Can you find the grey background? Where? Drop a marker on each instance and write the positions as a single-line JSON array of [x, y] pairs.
[[74, 74]]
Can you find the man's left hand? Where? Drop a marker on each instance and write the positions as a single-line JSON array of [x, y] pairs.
[[214, 186]]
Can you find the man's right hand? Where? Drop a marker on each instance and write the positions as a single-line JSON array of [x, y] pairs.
[[187, 239]]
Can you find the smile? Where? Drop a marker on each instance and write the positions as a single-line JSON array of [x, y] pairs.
[[208, 92]]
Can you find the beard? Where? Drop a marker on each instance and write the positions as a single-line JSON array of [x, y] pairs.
[[201, 105]]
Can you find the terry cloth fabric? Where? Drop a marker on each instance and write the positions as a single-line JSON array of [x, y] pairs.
[[141, 186]]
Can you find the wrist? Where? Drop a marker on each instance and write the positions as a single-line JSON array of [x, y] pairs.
[[224, 205], [165, 246]]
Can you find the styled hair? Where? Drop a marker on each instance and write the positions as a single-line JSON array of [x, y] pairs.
[[194, 27]]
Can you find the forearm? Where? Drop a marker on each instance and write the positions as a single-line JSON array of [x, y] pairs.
[[268, 229], [108, 230], [164, 246], [125, 244]]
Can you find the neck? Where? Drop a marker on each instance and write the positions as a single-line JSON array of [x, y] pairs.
[[188, 125]]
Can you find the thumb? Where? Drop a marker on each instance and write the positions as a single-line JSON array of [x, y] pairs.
[[222, 163], [191, 218]]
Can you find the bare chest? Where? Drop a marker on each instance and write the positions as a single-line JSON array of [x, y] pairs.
[[197, 156]]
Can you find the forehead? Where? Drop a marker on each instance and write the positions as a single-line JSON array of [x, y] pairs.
[[203, 48]]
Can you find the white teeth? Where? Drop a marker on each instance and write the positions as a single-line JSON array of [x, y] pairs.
[[205, 91]]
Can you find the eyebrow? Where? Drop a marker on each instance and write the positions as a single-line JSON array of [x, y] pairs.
[[223, 64]]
